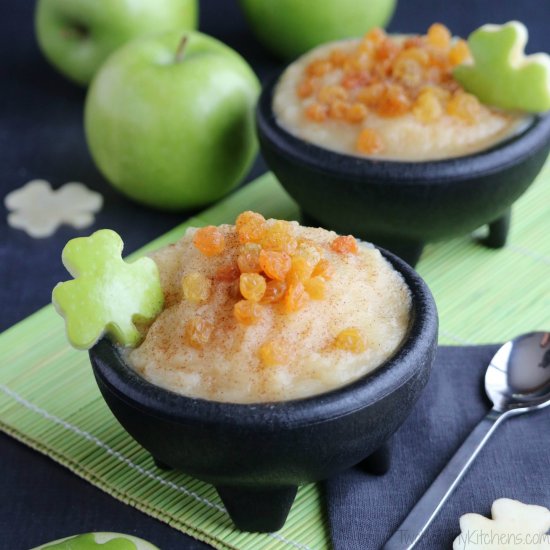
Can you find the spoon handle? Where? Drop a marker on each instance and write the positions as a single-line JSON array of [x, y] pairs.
[[428, 506]]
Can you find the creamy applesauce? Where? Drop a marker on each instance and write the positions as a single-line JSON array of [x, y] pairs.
[[270, 311], [389, 97]]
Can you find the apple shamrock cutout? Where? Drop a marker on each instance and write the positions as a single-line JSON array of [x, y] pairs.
[[107, 294], [501, 74], [513, 525]]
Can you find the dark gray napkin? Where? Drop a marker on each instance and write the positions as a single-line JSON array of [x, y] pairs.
[[365, 510]]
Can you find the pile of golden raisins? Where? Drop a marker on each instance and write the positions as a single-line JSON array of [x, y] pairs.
[[390, 78], [273, 268]]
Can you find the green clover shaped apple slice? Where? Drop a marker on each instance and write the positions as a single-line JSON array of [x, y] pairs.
[[99, 541], [500, 74], [107, 294]]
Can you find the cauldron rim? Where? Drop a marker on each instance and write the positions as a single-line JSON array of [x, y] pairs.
[[412, 356], [370, 171]]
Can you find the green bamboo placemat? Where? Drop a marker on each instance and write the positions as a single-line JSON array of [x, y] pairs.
[[49, 400]]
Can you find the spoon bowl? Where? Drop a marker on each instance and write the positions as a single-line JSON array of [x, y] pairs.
[[518, 377]]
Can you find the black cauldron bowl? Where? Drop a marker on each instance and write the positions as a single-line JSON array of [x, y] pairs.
[[256, 455], [403, 205]]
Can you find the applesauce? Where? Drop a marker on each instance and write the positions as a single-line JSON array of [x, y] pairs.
[[268, 310], [389, 97]]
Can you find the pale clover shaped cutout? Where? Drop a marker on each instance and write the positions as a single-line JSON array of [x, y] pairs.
[[39, 210], [513, 525], [107, 294], [500, 74]]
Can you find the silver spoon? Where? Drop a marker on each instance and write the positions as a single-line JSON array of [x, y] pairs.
[[517, 381]]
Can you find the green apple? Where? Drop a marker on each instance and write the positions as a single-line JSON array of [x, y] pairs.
[[76, 36], [289, 28], [169, 119]]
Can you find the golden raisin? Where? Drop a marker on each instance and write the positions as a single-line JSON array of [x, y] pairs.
[[310, 251], [386, 50], [248, 259], [280, 236], [250, 227], [304, 260], [464, 106], [295, 297], [272, 353], [345, 244], [337, 57], [300, 269], [366, 46], [375, 35], [441, 93], [209, 240], [246, 217], [356, 113], [198, 332], [247, 312], [382, 70], [196, 287], [421, 56], [252, 286], [275, 264], [356, 64], [438, 36], [316, 112], [305, 88], [328, 94], [227, 273], [439, 64], [356, 79], [413, 42], [323, 269], [370, 95], [338, 109], [350, 339], [459, 52], [316, 288], [319, 67], [274, 292], [393, 102], [369, 142], [427, 107], [408, 71]]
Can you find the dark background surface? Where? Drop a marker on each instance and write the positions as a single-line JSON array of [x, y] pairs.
[[41, 136]]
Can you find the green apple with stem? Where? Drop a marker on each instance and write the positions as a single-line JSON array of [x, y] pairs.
[[76, 36], [289, 28], [169, 119]]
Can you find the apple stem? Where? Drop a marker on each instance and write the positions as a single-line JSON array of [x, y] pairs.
[[74, 31], [180, 52]]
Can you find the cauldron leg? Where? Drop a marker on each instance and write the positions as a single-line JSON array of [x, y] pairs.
[[262, 510], [162, 465], [378, 463], [498, 231]]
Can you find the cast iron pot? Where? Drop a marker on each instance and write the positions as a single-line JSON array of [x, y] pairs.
[[403, 205], [257, 454]]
